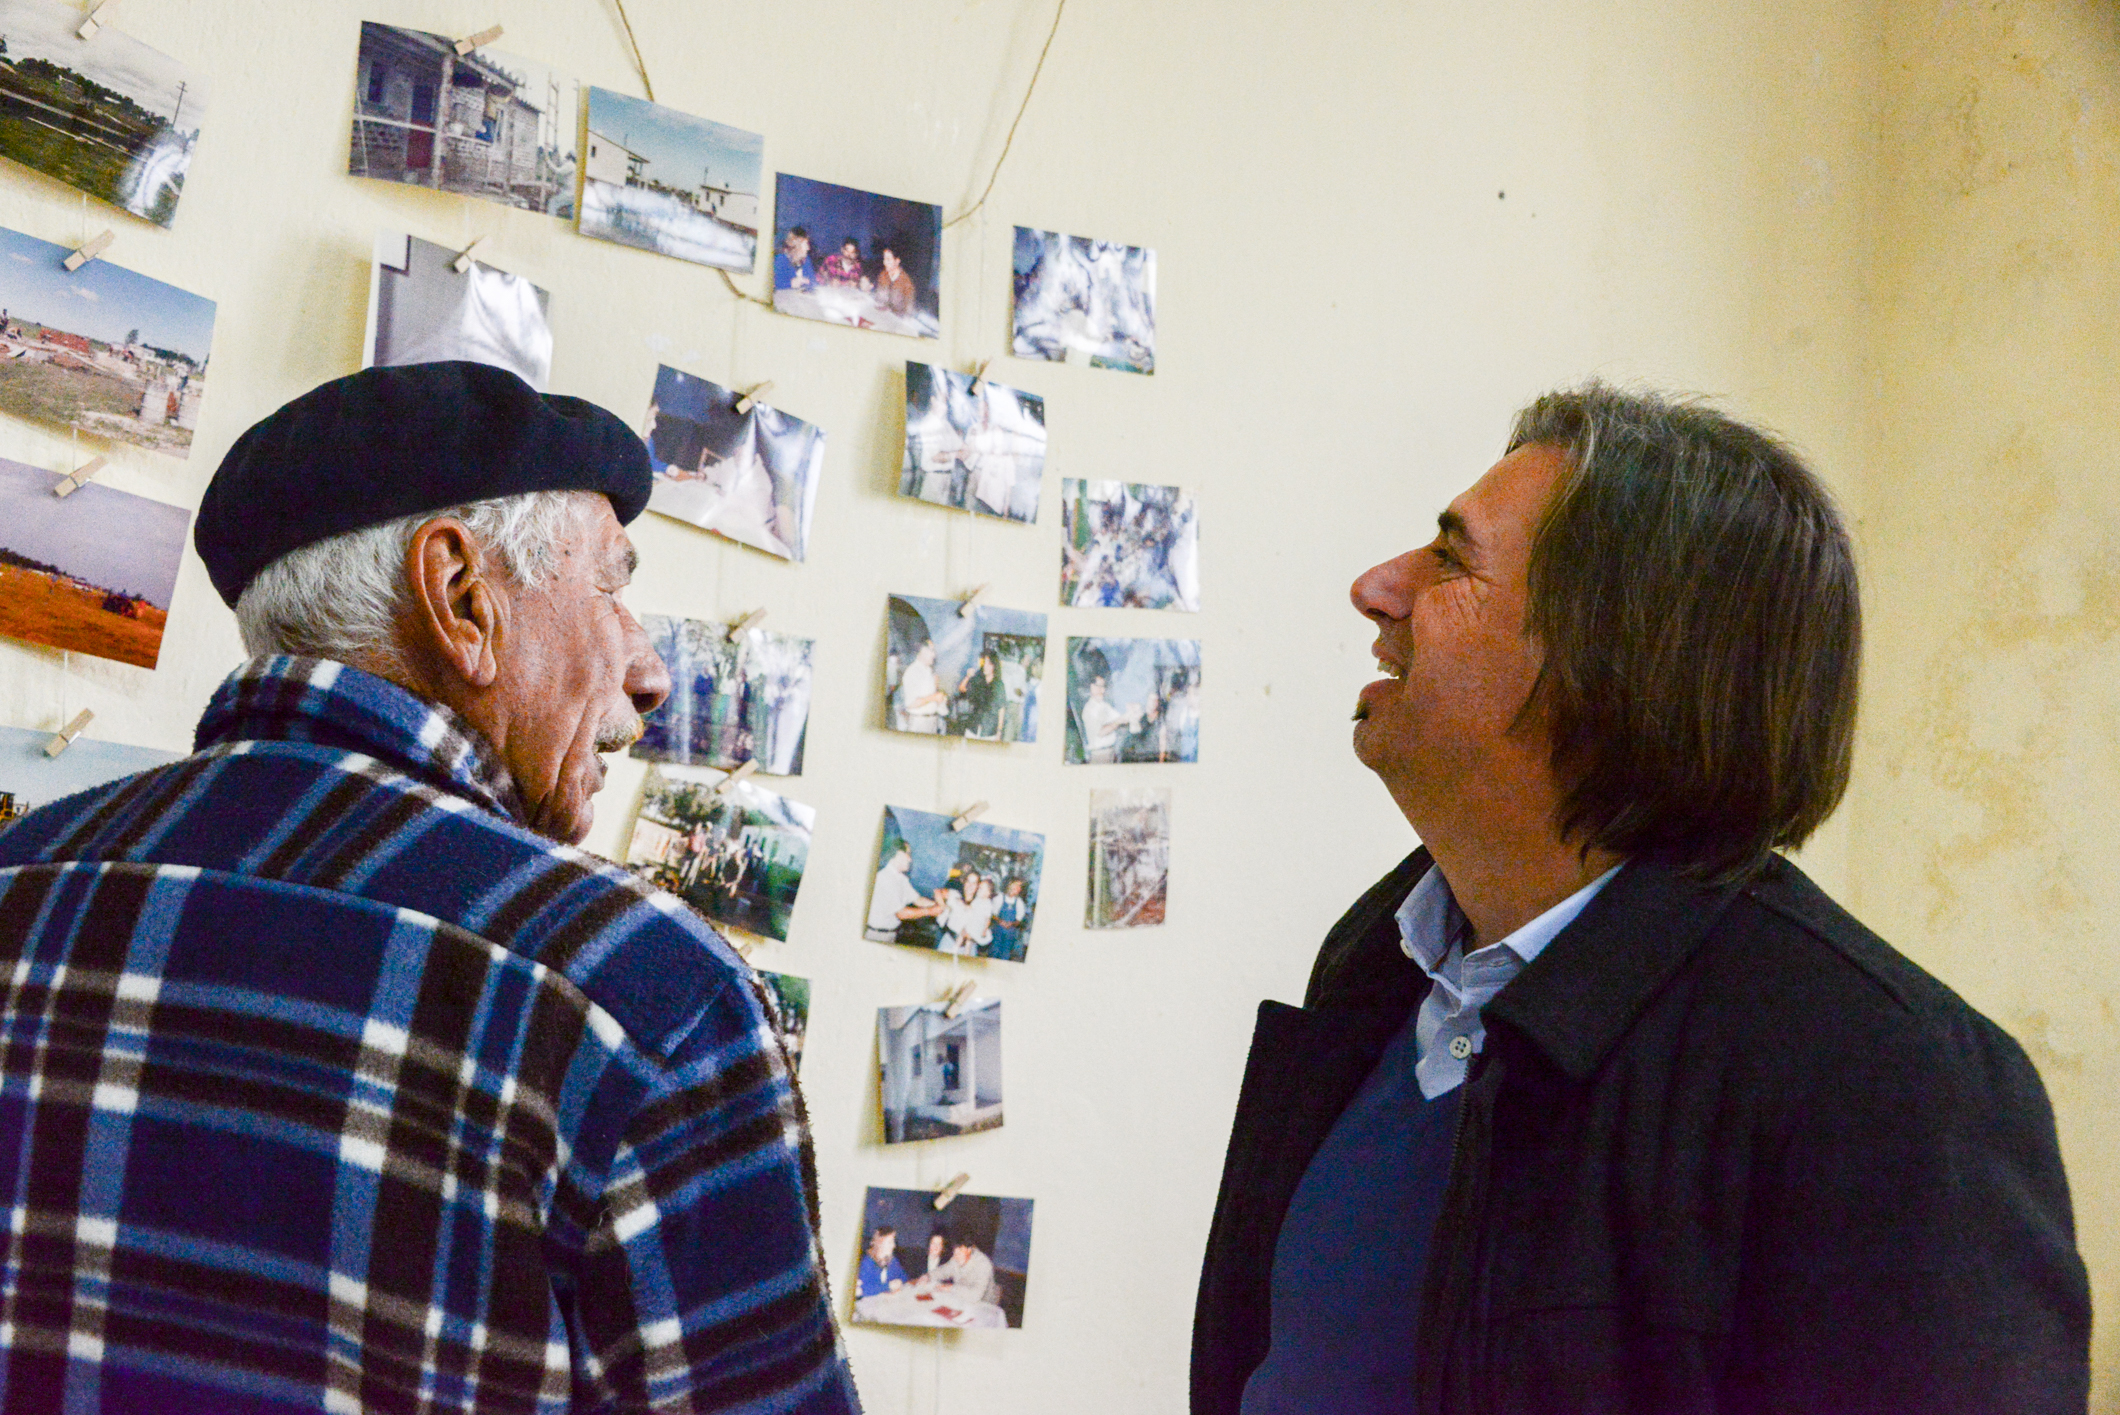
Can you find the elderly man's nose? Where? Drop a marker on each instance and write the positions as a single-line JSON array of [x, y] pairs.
[[1380, 591], [647, 680]]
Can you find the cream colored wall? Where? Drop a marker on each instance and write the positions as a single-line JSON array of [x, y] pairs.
[[1350, 308]]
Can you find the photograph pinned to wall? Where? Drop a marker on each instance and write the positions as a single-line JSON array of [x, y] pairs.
[[852, 257], [941, 1074], [487, 124], [1129, 858], [420, 311], [749, 476], [664, 181], [30, 778], [1133, 700], [953, 674], [971, 892], [100, 350], [791, 998], [982, 451], [1124, 545], [966, 1265], [737, 856], [1078, 298], [731, 701], [106, 115], [91, 572]]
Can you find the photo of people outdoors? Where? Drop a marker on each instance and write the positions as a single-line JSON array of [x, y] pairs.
[[791, 996], [1077, 298], [947, 673], [852, 257], [970, 892], [1133, 700], [941, 1074], [1128, 546], [1129, 858], [731, 700], [981, 450], [91, 572], [736, 856], [966, 1265], [421, 311], [668, 182], [749, 476]]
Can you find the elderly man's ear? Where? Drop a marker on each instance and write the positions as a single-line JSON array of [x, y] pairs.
[[458, 613]]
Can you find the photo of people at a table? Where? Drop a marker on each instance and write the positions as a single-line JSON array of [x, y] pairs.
[[965, 1266], [852, 257]]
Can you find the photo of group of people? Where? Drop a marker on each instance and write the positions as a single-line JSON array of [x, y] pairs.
[[422, 310], [751, 476], [971, 892], [736, 855], [964, 1266], [668, 182], [92, 572], [1128, 546], [941, 1074], [1078, 298], [732, 699], [948, 673], [1129, 858], [852, 257], [1133, 700], [972, 444]]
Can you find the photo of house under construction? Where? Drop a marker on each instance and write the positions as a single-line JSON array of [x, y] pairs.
[[91, 572], [485, 124], [100, 350], [667, 182]]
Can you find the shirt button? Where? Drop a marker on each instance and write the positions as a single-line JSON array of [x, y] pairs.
[[1461, 1047]]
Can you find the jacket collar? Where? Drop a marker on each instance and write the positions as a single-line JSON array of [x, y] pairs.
[[289, 699]]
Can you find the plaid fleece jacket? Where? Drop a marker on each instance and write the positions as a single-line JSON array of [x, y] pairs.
[[325, 1084]]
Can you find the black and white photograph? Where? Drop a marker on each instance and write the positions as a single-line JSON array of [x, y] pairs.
[[964, 1265], [750, 476], [941, 1074], [976, 446], [101, 351], [1129, 858], [106, 115], [487, 124], [1124, 545], [422, 311], [846, 256], [1133, 700], [1083, 300], [665, 181], [791, 1001], [732, 700], [91, 572], [971, 892], [737, 856], [951, 674]]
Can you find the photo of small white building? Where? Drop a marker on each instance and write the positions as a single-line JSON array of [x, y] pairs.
[[941, 1074]]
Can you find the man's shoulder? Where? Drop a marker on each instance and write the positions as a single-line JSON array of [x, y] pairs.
[[1364, 943]]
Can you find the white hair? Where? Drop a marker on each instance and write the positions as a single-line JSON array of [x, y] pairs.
[[341, 597]]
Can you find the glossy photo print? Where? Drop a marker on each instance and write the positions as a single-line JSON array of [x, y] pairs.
[[750, 476], [1133, 700], [951, 674], [89, 573], [1087, 300], [31, 777], [1128, 546], [852, 257], [736, 856], [976, 449], [970, 892], [422, 311], [664, 181], [791, 1000], [731, 700], [966, 1265], [1129, 858], [941, 1074]]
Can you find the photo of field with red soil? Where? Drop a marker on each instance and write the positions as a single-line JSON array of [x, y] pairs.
[[89, 573]]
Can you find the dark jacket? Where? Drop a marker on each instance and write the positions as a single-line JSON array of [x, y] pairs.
[[1725, 1150]]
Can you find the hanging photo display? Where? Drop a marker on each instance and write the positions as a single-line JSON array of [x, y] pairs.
[[106, 114], [750, 476], [731, 700], [791, 1000], [971, 892], [1129, 858], [979, 448], [954, 674], [100, 351], [1133, 700], [667, 182], [422, 310], [852, 257], [941, 1074], [1128, 546], [486, 124], [737, 856], [1083, 299], [30, 777], [91, 572], [966, 1265]]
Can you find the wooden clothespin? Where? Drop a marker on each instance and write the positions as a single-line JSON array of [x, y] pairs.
[[950, 1191], [737, 626], [90, 249], [64, 737], [79, 477], [474, 41], [954, 1000], [95, 20], [979, 376], [462, 262], [969, 814], [742, 943], [728, 783], [752, 394], [971, 602]]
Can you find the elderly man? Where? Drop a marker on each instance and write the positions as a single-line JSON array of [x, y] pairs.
[[1596, 1103], [332, 1076]]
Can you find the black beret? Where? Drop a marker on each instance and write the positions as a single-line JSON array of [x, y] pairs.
[[391, 442]]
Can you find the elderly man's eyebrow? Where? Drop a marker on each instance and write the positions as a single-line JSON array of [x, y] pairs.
[[1451, 527], [626, 561]]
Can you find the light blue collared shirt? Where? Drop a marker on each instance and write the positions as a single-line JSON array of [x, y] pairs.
[[1433, 931]]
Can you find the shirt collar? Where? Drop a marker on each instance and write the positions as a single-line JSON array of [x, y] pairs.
[[1430, 922], [288, 699]]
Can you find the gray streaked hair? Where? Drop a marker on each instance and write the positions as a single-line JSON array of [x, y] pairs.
[[340, 597]]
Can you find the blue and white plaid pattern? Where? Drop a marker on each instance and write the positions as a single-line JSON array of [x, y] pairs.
[[325, 1084]]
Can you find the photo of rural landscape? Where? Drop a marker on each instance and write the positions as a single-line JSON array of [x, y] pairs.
[[89, 573]]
